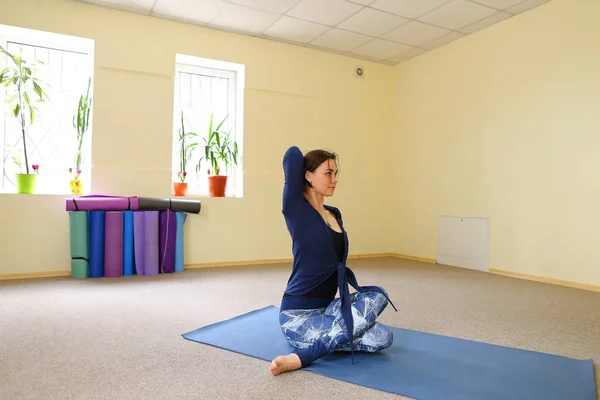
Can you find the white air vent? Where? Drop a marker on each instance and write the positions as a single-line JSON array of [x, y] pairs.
[[464, 242]]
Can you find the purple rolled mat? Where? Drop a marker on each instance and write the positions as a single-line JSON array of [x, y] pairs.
[[139, 240], [113, 244], [101, 202], [151, 242], [168, 237]]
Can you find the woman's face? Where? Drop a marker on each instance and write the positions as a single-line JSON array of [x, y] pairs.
[[324, 178]]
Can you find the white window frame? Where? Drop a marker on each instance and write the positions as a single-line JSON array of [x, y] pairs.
[[235, 73], [60, 42]]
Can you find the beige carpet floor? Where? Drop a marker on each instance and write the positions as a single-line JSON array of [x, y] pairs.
[[121, 338]]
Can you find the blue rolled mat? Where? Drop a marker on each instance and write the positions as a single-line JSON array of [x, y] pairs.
[[128, 249], [419, 365], [181, 217], [97, 243]]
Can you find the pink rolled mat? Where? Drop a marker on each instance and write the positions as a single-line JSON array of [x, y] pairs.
[[113, 244], [168, 237], [101, 202], [139, 233], [151, 260]]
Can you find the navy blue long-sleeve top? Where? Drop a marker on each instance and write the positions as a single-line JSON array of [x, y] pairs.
[[313, 249]]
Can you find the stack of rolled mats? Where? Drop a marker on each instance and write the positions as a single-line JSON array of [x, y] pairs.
[[114, 236]]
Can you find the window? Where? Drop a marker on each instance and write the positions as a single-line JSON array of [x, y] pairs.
[[205, 88], [52, 139]]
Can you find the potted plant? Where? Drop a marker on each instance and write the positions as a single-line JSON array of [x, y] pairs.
[[185, 153], [26, 86], [218, 151], [81, 122]]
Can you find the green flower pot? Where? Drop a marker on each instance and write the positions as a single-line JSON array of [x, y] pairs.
[[26, 183]]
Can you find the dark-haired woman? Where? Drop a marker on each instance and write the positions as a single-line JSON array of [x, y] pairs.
[[312, 319]]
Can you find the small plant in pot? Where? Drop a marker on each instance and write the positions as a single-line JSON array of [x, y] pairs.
[[23, 86], [219, 151], [185, 153], [81, 121]]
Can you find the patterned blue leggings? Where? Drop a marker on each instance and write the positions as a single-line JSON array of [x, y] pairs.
[[316, 332]]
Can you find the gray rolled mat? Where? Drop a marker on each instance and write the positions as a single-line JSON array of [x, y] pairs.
[[158, 204]]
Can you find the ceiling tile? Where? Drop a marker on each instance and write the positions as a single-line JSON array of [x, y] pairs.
[[188, 10], [525, 6], [144, 6], [327, 12], [243, 18], [405, 55], [442, 40], [499, 4], [484, 23], [372, 22], [380, 49], [337, 39], [363, 2], [414, 33], [276, 6], [408, 8], [295, 30], [457, 14]]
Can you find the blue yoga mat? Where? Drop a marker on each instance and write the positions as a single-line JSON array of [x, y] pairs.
[[97, 232], [128, 258], [419, 365], [181, 217]]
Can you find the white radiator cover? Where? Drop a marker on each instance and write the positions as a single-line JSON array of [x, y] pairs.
[[464, 242]]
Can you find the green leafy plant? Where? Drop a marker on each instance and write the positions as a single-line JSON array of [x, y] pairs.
[[185, 151], [218, 149], [22, 79], [81, 121]]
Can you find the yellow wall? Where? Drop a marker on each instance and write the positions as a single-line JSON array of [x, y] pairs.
[[294, 96], [506, 123], [501, 123]]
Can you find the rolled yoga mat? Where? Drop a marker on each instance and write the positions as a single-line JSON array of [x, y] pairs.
[[159, 204], [139, 240], [80, 255], [167, 241], [101, 202], [181, 217], [419, 365], [151, 242], [113, 244], [96, 243], [128, 246]]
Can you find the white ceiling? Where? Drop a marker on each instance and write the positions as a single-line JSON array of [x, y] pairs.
[[387, 31]]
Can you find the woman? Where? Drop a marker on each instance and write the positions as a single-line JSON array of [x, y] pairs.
[[312, 320]]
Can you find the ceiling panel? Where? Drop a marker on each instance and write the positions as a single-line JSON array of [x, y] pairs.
[[339, 40], [457, 14], [327, 12], [244, 18], [276, 6], [526, 6], [484, 23], [372, 22], [388, 31], [498, 4], [408, 8], [414, 33], [442, 40], [380, 49], [295, 30]]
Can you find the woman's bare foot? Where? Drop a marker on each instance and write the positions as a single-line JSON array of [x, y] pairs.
[[285, 363]]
